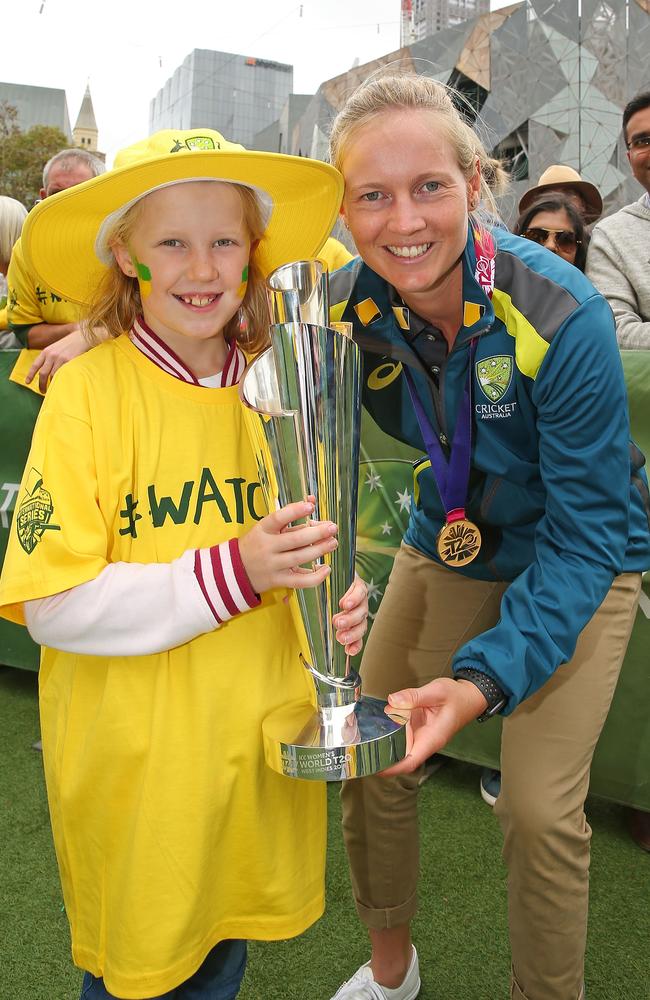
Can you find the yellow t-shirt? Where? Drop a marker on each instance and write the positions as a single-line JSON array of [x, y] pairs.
[[171, 832], [29, 301]]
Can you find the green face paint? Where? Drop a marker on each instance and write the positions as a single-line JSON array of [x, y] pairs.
[[143, 271], [241, 291], [144, 277]]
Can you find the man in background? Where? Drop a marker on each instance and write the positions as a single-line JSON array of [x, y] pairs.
[[618, 261], [38, 317]]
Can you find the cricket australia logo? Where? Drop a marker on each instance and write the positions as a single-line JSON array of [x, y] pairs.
[[494, 376], [34, 513]]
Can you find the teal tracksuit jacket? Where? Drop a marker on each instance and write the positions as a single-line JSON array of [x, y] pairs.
[[557, 488]]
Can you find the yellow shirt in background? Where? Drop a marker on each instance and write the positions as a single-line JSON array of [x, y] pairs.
[[334, 254], [29, 301]]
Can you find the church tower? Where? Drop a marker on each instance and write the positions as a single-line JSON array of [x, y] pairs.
[[85, 132]]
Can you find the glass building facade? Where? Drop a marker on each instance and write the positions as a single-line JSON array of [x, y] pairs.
[[237, 95], [37, 106], [429, 16]]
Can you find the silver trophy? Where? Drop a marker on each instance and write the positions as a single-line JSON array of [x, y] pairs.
[[302, 400]]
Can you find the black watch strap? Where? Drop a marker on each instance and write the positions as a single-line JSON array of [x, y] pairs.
[[496, 699]]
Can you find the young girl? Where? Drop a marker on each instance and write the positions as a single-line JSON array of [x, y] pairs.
[[144, 562]]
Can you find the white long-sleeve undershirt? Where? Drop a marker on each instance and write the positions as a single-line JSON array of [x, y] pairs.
[[134, 609]]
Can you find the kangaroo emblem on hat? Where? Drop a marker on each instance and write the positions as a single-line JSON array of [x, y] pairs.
[[200, 142]]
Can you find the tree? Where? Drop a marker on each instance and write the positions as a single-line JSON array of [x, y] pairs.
[[24, 154], [8, 119]]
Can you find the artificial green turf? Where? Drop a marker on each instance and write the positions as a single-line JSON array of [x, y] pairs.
[[460, 932]]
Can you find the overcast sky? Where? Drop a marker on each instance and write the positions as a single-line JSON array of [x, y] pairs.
[[127, 49]]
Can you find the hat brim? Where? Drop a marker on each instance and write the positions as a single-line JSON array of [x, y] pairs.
[[58, 238], [589, 192]]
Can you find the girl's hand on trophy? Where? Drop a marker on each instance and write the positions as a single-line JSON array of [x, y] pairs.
[[275, 551], [351, 623]]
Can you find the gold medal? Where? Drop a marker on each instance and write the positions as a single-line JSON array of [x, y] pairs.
[[458, 542]]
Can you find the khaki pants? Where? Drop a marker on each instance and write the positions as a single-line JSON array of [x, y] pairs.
[[427, 613]]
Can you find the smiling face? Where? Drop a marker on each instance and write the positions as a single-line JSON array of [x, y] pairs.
[[638, 126], [407, 204], [189, 249]]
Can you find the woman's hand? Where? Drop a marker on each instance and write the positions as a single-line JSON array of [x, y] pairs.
[[274, 551], [434, 713], [55, 355], [351, 625]]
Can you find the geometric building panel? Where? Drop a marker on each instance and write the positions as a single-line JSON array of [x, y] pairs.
[[440, 50], [565, 50], [608, 180], [578, 64], [592, 125], [603, 33], [638, 39], [512, 29], [543, 142], [561, 16], [474, 60]]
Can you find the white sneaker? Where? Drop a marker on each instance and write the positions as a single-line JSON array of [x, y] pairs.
[[362, 986]]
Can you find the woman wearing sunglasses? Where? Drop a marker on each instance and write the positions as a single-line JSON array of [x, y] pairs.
[[555, 223]]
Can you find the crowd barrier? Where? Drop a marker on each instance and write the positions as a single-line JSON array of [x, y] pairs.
[[621, 768], [19, 408]]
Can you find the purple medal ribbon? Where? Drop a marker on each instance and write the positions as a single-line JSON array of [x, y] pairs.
[[452, 477]]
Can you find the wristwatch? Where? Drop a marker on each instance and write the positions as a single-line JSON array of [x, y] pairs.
[[493, 694]]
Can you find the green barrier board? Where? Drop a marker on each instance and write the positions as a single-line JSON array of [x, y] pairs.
[[18, 411], [621, 769]]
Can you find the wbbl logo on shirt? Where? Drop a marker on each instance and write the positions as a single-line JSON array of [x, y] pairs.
[[34, 513]]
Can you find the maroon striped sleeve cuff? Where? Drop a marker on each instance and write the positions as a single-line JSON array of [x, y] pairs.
[[223, 580]]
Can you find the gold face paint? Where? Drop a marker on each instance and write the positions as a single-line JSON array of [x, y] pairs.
[[144, 277], [241, 291]]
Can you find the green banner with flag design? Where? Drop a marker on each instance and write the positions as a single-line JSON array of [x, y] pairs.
[[621, 767]]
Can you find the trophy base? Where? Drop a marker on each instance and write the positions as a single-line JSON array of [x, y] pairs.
[[301, 741]]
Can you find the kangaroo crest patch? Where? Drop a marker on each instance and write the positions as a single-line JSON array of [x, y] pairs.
[[34, 513]]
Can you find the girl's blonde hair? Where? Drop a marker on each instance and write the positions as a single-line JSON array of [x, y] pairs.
[[385, 93], [12, 216], [116, 302]]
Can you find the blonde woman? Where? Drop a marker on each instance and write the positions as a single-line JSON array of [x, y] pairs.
[[516, 586]]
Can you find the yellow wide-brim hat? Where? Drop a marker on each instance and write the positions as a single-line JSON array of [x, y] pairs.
[[64, 237]]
